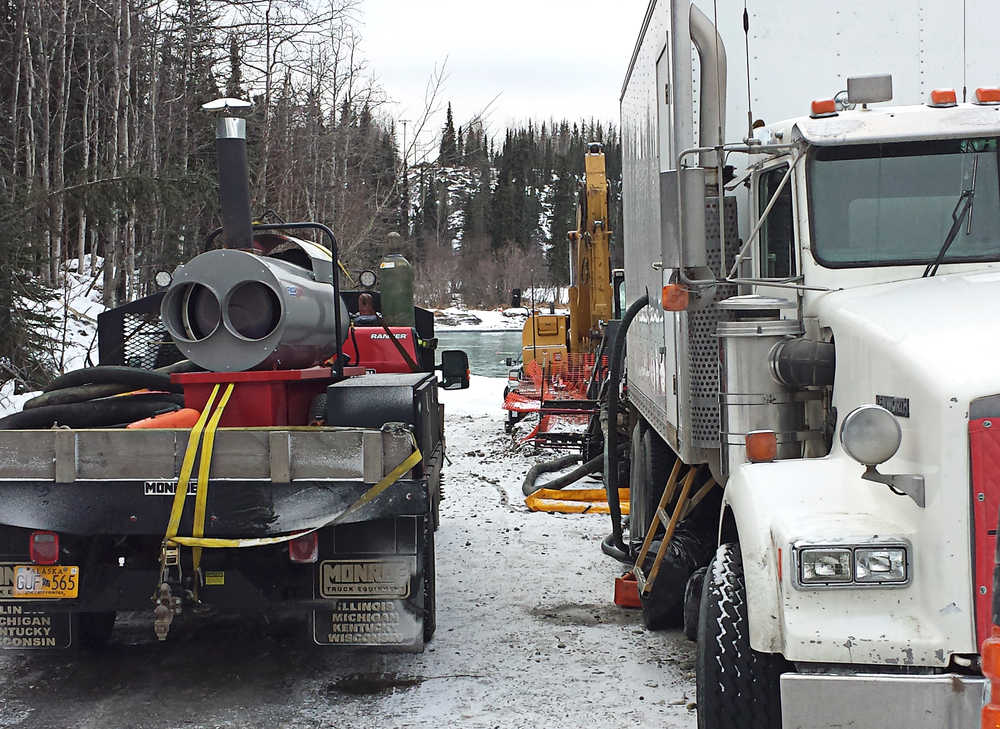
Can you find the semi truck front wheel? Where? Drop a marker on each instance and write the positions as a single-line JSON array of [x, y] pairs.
[[738, 687]]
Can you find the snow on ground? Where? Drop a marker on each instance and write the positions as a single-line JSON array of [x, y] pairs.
[[455, 319], [527, 636]]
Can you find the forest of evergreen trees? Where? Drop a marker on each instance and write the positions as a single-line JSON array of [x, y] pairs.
[[107, 163], [492, 213]]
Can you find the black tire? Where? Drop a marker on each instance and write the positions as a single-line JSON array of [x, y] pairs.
[[692, 603], [430, 583], [93, 630], [651, 463], [738, 687], [689, 548]]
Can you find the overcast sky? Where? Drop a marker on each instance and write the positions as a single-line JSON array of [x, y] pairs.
[[541, 58]]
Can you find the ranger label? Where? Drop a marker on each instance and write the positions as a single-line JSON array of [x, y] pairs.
[[367, 578]]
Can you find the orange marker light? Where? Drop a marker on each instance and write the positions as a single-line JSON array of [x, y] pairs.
[[991, 670], [762, 446], [988, 96], [823, 107], [943, 97], [674, 298]]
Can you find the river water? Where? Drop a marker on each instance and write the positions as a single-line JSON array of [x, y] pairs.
[[487, 350]]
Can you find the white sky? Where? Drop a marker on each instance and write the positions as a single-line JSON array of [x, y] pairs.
[[544, 58]]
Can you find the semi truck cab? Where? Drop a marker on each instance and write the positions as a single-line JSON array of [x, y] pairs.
[[868, 557]]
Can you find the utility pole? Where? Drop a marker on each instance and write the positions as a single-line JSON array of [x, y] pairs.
[[404, 122]]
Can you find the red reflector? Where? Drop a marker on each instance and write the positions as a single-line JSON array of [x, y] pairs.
[[943, 97], [824, 107], [304, 549], [988, 96], [43, 547]]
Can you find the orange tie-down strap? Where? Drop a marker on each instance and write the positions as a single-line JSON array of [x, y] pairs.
[[574, 501]]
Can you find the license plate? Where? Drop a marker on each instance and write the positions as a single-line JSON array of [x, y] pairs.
[[46, 581]]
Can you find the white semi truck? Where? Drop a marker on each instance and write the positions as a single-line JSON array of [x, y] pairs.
[[824, 344]]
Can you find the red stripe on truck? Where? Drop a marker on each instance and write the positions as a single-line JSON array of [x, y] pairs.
[[984, 450]]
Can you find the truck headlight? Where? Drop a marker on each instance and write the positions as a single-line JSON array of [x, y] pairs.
[[851, 565], [824, 565], [880, 565]]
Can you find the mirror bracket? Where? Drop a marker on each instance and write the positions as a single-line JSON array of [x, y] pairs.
[[909, 484]]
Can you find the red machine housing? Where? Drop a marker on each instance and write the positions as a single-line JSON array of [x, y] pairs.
[[371, 348], [261, 398]]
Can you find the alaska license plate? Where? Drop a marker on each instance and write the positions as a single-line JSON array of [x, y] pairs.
[[46, 581]]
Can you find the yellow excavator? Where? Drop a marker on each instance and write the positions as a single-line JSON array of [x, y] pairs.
[[548, 338]]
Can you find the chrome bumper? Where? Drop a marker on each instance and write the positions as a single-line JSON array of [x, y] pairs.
[[880, 701]]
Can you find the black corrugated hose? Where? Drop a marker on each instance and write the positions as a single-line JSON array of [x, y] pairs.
[[613, 545]]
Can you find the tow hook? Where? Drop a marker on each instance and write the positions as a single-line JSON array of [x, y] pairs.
[[167, 605]]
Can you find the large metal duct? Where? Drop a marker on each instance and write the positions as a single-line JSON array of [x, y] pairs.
[[230, 311]]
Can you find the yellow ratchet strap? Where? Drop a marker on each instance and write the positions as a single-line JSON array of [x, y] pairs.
[[187, 466], [204, 467], [397, 473]]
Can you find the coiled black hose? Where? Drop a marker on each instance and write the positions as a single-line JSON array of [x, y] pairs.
[[614, 545], [114, 375], [95, 413]]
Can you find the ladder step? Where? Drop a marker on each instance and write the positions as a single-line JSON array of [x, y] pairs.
[[640, 578], [661, 514]]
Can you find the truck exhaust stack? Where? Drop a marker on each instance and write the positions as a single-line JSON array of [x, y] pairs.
[[261, 303]]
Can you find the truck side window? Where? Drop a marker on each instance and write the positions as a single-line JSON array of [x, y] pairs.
[[777, 234]]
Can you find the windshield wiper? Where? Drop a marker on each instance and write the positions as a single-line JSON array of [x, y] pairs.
[[958, 216]]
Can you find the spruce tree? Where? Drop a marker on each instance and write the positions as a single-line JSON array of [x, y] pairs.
[[448, 156]]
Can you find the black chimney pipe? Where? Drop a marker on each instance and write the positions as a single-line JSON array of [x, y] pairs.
[[234, 181]]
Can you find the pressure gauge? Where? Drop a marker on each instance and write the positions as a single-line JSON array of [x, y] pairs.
[[367, 279]]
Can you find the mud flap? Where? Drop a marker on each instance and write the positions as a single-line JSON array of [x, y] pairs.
[[27, 627], [374, 582]]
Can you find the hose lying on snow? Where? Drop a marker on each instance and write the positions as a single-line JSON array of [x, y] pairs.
[[95, 413], [616, 365], [594, 465], [528, 487]]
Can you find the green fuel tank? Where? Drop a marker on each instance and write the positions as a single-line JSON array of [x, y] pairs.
[[396, 276]]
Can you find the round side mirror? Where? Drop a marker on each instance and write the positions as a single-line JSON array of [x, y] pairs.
[[871, 435]]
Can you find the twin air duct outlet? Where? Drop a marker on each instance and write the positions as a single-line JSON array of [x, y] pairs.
[[233, 310]]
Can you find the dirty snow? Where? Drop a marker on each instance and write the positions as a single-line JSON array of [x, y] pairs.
[[527, 635]]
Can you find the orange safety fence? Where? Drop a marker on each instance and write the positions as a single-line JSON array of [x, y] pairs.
[[565, 379]]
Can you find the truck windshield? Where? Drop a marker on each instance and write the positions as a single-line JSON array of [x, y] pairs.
[[892, 204]]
